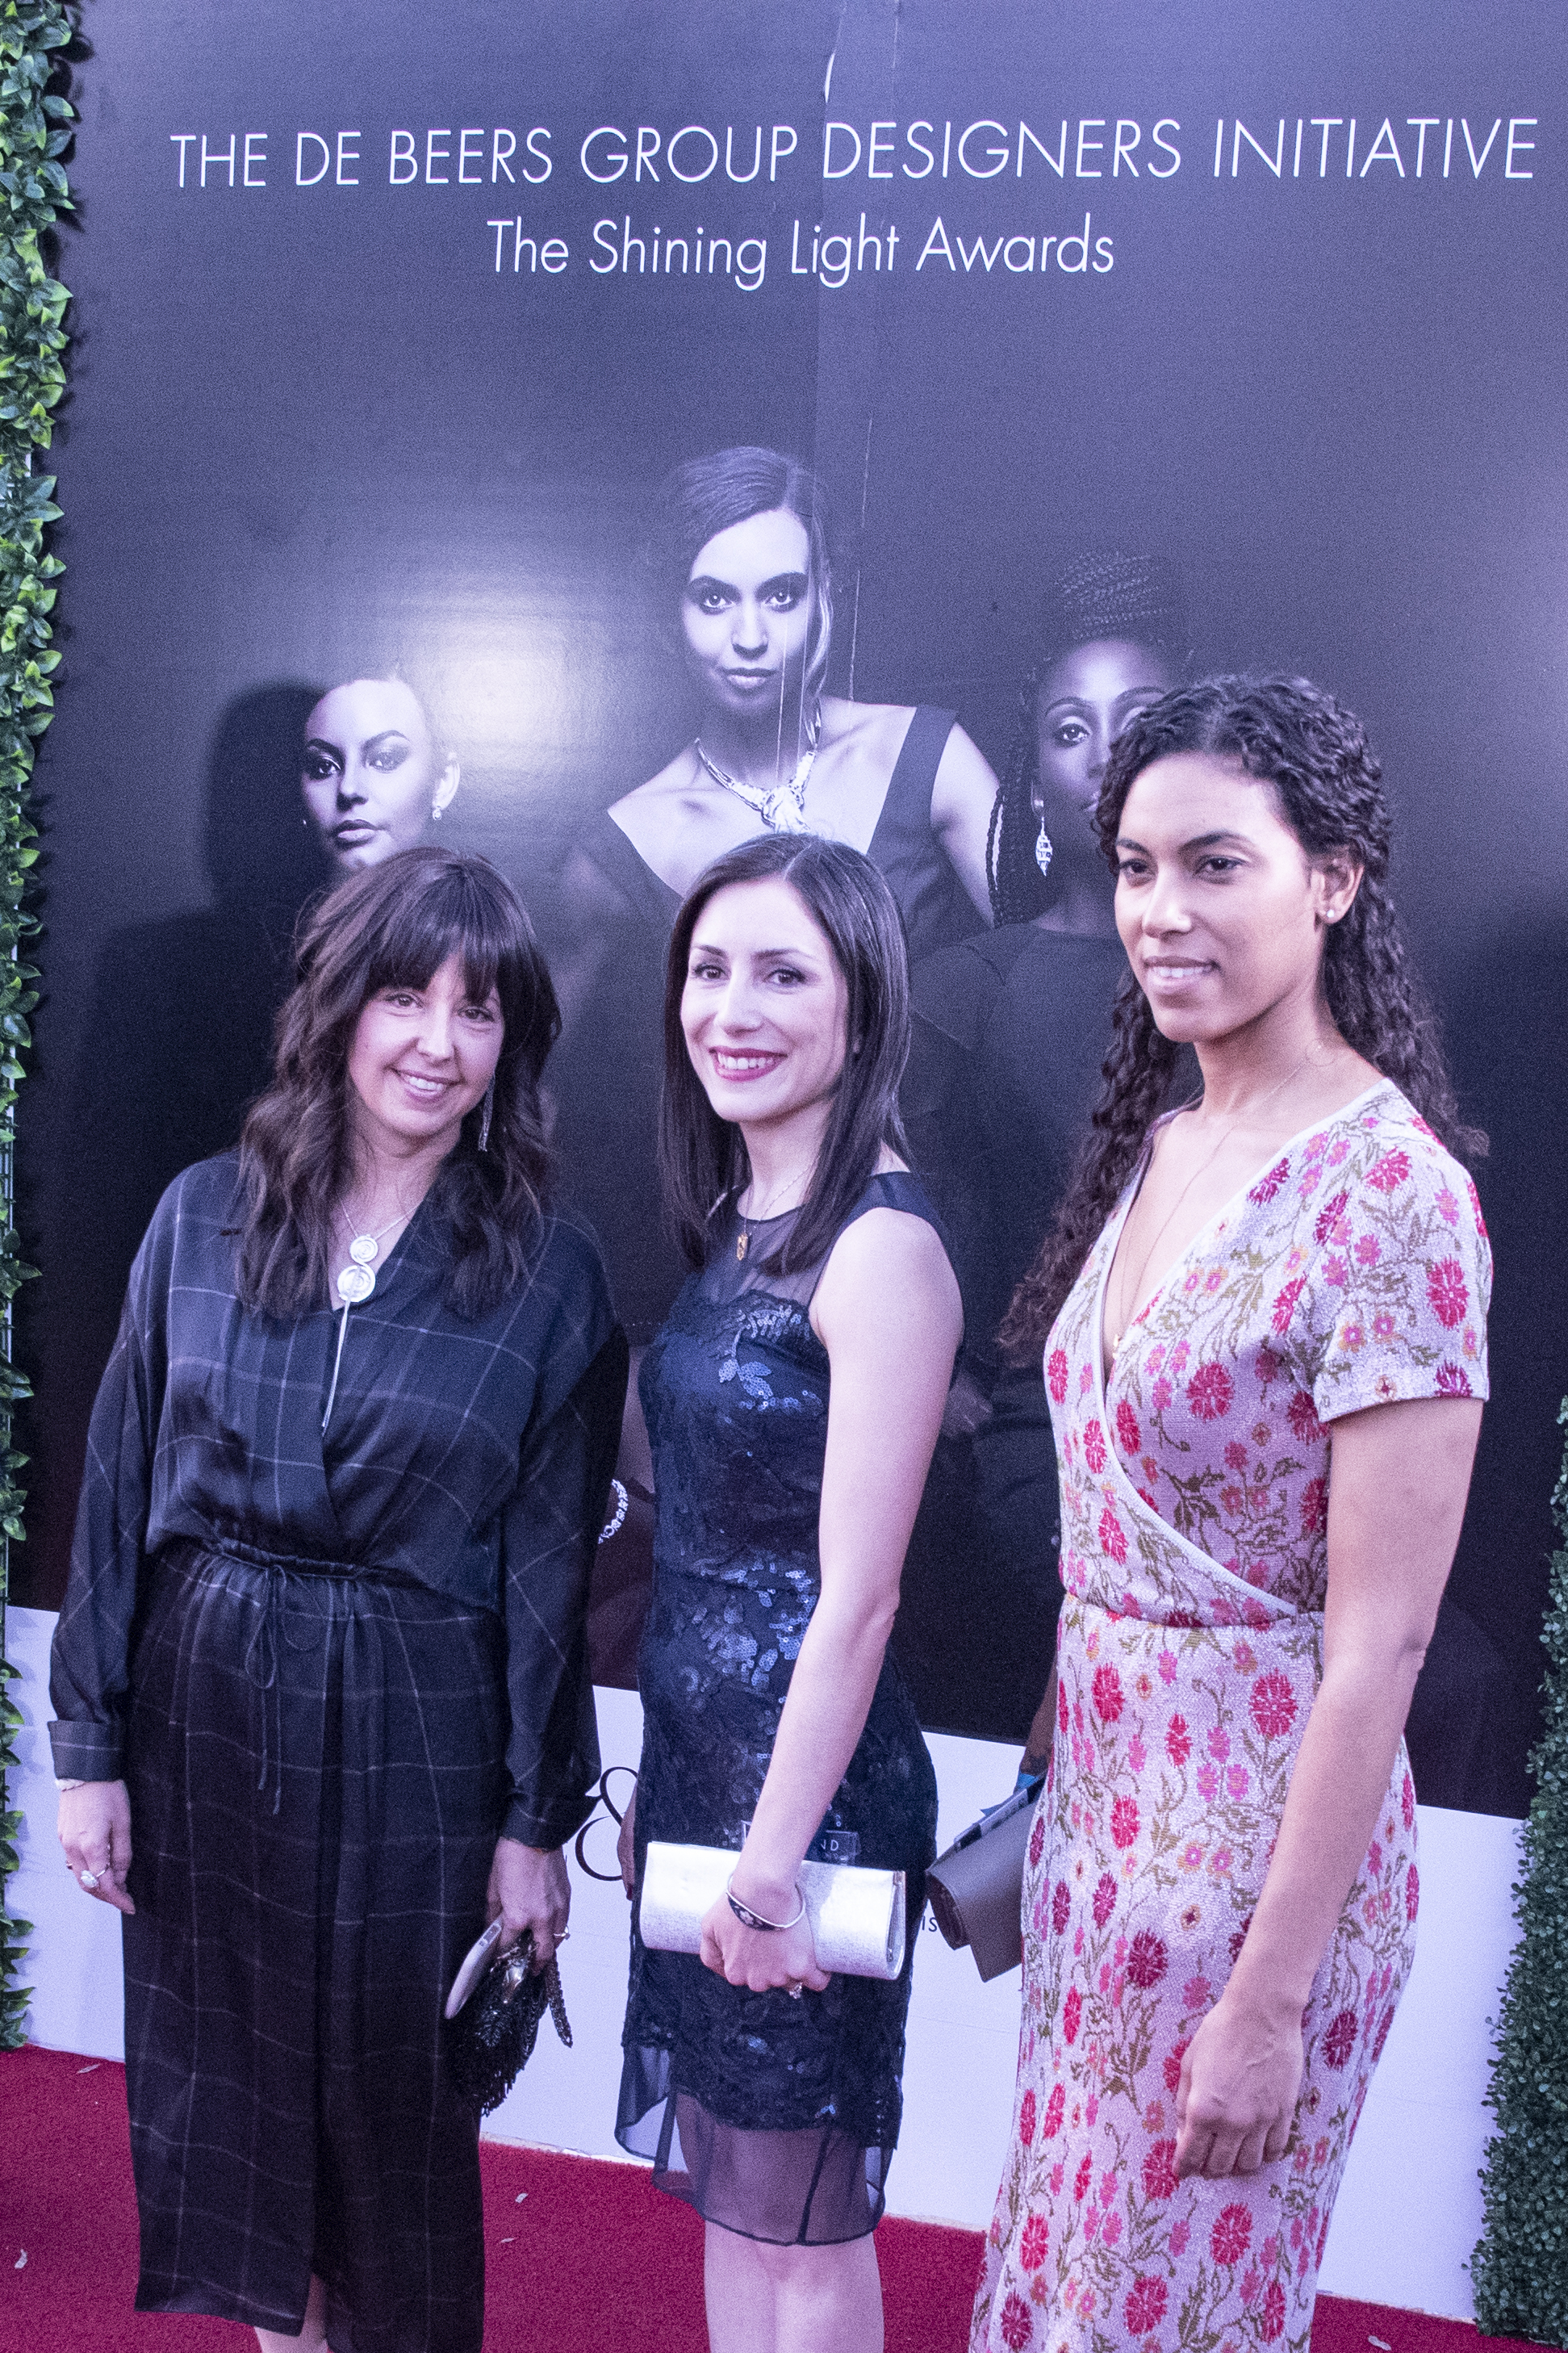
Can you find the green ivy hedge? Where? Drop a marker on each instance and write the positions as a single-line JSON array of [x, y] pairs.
[[34, 130], [1520, 2268]]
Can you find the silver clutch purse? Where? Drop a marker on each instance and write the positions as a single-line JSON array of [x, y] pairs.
[[857, 1917]]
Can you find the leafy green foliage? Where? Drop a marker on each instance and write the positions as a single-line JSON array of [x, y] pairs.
[[1520, 2268], [36, 122]]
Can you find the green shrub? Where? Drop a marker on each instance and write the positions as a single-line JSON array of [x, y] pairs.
[[1520, 2268], [35, 132]]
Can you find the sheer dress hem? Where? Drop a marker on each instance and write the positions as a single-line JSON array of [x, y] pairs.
[[814, 2187]]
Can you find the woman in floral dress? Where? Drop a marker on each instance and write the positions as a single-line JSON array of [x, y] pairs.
[[1264, 1326]]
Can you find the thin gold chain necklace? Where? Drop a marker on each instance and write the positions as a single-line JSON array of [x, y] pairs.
[[743, 1240], [1132, 1290]]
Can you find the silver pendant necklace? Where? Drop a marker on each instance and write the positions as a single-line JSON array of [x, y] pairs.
[[354, 1286], [357, 1280], [781, 806]]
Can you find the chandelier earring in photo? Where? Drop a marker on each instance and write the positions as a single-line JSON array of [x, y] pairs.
[[1045, 849], [486, 1110]]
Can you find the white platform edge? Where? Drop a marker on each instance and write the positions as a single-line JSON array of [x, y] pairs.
[[1410, 2212]]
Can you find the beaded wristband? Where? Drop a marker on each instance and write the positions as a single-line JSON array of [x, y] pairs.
[[749, 1919]]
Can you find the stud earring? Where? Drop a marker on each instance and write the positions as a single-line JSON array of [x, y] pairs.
[[484, 1114], [1045, 849]]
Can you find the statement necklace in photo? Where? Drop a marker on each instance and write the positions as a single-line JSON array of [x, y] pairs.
[[781, 806]]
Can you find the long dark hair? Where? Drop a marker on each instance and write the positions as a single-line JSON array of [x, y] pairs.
[[1314, 755], [391, 926], [1098, 598], [708, 494], [702, 1159]]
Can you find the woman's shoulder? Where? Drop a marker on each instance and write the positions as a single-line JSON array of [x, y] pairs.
[[1398, 1275], [190, 1238], [900, 1191], [673, 782], [606, 875], [206, 1196], [1382, 1143], [567, 1282], [874, 733]]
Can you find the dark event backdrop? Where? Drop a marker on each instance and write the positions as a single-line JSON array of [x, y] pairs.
[[346, 393]]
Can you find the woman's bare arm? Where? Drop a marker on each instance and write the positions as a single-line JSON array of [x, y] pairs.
[[1398, 1477], [961, 804], [888, 1312]]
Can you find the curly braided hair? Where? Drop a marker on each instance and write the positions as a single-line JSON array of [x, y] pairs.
[[1314, 754], [1099, 597]]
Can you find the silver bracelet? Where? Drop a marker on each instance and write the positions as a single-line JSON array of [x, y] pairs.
[[749, 1919], [613, 1524], [70, 1784]]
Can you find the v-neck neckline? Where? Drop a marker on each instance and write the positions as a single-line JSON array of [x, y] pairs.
[[1226, 1210]]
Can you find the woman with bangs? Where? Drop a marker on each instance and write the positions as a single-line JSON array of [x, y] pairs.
[[323, 1651]]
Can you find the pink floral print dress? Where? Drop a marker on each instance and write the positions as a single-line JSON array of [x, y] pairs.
[[1195, 1484]]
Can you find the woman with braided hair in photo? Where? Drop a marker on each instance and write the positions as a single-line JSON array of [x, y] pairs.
[[1262, 1317], [1009, 1032]]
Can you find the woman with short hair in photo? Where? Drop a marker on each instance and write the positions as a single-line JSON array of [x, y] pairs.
[[375, 773], [321, 1676], [1263, 1322], [793, 1398]]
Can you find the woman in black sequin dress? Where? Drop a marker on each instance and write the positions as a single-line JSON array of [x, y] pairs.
[[793, 1399]]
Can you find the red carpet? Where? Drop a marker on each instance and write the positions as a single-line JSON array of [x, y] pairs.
[[582, 2256]]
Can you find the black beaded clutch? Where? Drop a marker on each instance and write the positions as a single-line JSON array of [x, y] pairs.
[[491, 2039]]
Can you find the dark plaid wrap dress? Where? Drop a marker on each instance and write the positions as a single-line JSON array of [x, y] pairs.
[[331, 1672]]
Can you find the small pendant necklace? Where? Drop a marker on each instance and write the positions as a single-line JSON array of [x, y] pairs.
[[781, 806], [743, 1238]]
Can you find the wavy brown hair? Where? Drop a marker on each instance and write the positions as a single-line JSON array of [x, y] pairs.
[[702, 1159], [1326, 783], [392, 926]]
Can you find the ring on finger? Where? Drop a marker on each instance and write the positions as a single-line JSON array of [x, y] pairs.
[[88, 1878], [795, 1991]]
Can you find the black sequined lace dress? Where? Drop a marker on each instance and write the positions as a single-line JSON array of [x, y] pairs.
[[773, 2117]]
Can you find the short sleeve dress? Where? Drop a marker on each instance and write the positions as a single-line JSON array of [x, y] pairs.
[[772, 2116], [1354, 1272]]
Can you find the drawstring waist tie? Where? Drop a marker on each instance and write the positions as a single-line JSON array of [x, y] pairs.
[[262, 1650]]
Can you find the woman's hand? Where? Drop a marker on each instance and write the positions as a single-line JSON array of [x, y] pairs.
[[94, 1826], [623, 1855], [1237, 2099], [528, 1889], [761, 1957]]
